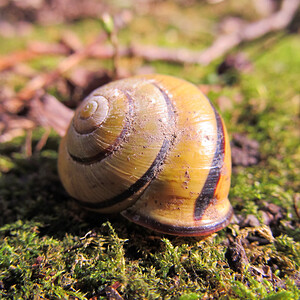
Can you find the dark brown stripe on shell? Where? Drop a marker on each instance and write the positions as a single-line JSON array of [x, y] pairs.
[[170, 107], [138, 185], [109, 150], [153, 170], [202, 230], [208, 190]]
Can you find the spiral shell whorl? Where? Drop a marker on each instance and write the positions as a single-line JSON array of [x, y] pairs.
[[154, 148], [91, 114], [119, 150]]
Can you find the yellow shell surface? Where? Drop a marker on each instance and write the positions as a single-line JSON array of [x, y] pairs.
[[154, 148]]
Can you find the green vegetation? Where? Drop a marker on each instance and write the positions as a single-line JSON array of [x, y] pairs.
[[51, 249]]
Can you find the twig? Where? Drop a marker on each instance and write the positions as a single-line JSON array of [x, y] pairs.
[[108, 24], [12, 126], [221, 45], [115, 44], [43, 80], [34, 49], [28, 143], [49, 112], [248, 32], [224, 43], [42, 142]]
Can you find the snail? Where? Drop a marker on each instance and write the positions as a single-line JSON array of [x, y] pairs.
[[154, 148]]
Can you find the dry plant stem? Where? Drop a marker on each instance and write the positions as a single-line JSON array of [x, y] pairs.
[[115, 44], [51, 113], [43, 80], [34, 50], [12, 126], [42, 142], [248, 32], [15, 58], [221, 46], [28, 143]]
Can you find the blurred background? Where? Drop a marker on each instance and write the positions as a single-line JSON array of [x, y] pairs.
[[243, 54]]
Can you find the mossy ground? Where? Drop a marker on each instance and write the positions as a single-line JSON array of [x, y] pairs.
[[51, 249]]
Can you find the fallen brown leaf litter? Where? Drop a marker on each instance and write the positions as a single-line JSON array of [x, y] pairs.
[[38, 12], [16, 110], [245, 151], [47, 12], [245, 253]]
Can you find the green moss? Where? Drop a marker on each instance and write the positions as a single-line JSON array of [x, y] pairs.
[[85, 266]]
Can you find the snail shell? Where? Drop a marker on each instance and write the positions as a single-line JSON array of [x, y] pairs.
[[153, 148]]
